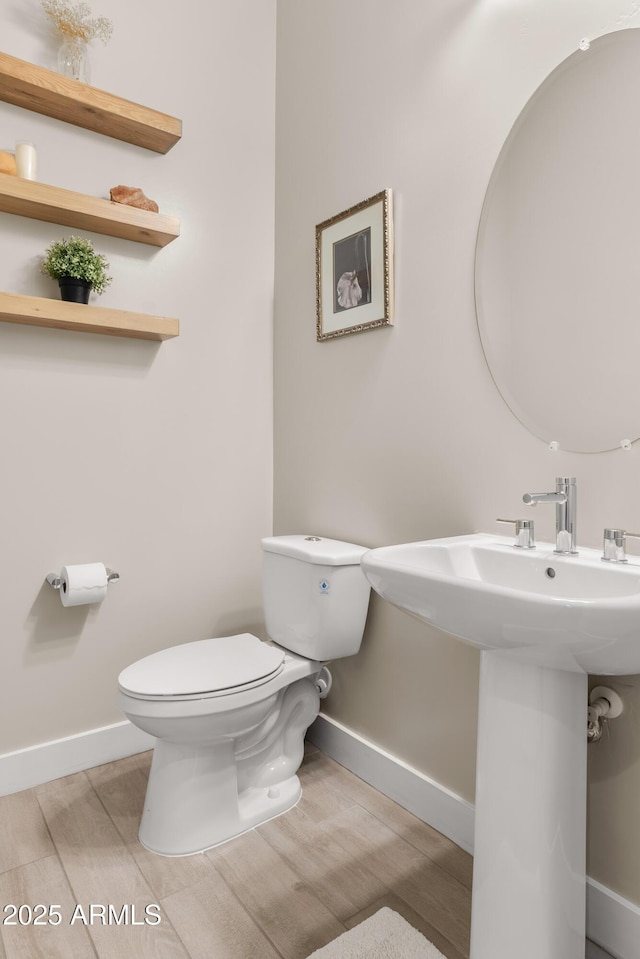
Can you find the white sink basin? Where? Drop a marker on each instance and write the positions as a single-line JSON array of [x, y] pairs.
[[577, 612]]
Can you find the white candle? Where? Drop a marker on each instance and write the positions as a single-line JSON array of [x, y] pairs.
[[26, 160]]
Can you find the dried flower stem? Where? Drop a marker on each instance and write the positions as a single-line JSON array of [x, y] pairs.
[[73, 21]]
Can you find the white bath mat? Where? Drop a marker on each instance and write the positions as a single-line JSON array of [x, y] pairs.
[[385, 935]]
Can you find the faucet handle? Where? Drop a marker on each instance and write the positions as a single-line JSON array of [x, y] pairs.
[[614, 548], [524, 532]]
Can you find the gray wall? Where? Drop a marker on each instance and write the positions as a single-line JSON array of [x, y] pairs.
[[155, 459], [399, 434]]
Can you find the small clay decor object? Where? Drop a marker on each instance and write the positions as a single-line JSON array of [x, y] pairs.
[[132, 196]]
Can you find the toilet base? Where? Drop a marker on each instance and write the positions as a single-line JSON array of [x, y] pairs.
[[226, 777], [255, 807]]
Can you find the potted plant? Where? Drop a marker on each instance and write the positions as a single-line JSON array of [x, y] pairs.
[[77, 267]]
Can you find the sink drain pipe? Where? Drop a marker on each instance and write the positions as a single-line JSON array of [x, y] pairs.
[[604, 703]]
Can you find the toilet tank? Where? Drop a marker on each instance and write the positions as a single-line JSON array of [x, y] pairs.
[[315, 595]]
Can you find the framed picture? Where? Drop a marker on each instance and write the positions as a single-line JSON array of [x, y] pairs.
[[354, 269]]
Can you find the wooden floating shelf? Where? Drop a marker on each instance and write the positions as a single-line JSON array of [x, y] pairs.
[[43, 91], [42, 202], [57, 314]]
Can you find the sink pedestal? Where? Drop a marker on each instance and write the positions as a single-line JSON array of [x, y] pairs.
[[530, 820], [544, 621]]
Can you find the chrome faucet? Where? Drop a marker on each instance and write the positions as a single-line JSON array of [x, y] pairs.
[[565, 498]]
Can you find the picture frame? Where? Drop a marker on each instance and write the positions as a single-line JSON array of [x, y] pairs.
[[354, 269]]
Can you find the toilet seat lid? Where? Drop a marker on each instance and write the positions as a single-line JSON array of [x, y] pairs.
[[205, 667]]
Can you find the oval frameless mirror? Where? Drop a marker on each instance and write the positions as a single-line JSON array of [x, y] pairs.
[[557, 273]]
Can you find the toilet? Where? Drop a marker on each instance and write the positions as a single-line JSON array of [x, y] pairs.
[[229, 714]]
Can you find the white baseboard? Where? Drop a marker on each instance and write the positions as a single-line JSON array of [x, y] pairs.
[[595, 952], [612, 922], [444, 810], [61, 757]]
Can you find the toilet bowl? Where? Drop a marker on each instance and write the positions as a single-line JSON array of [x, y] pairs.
[[229, 714]]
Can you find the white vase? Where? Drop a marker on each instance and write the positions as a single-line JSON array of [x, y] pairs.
[[73, 60]]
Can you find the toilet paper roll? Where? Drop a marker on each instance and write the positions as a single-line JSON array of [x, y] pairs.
[[83, 584]]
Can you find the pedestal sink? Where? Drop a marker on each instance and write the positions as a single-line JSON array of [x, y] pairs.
[[543, 622]]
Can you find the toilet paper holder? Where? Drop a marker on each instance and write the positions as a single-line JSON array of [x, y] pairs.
[[55, 582]]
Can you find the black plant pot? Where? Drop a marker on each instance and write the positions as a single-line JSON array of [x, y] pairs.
[[74, 290]]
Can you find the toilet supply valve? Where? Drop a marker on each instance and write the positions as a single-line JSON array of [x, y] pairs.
[[525, 538], [614, 547], [604, 704], [324, 682]]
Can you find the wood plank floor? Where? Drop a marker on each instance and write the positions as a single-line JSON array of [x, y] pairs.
[[278, 892]]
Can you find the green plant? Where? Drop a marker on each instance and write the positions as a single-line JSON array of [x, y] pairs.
[[76, 257]]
